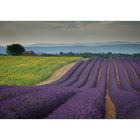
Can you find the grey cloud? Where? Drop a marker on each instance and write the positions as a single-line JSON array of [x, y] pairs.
[[67, 31]]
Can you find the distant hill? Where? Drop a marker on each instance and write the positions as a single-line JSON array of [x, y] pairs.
[[114, 47], [83, 44], [99, 47]]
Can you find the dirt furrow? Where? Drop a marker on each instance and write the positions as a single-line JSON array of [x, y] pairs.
[[109, 106]]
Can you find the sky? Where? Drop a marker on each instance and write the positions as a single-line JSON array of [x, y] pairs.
[[31, 32]]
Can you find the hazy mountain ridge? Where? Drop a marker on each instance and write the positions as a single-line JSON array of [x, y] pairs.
[[82, 44], [98, 47], [128, 48]]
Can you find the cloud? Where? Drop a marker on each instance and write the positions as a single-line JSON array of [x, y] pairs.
[[67, 31]]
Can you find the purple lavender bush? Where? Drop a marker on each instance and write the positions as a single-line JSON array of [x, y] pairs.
[[84, 75], [91, 82], [135, 82], [76, 74], [68, 74], [88, 104], [127, 103], [35, 105], [125, 85]]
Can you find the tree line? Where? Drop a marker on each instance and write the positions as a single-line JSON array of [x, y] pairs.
[[18, 49]]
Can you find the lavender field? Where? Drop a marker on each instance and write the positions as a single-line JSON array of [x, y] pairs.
[[80, 94]]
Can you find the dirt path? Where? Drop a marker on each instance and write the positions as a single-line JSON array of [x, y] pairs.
[[109, 106], [58, 74]]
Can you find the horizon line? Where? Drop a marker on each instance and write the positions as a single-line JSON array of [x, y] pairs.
[[62, 43]]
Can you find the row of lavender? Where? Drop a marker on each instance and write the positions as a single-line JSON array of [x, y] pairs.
[[80, 93], [90, 101], [125, 93]]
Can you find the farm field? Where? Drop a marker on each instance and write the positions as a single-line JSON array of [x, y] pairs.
[[25, 70], [80, 94]]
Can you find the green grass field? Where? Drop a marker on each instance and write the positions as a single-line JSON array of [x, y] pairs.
[[26, 70]]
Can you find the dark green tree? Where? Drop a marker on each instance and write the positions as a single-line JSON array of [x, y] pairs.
[[61, 53], [15, 49]]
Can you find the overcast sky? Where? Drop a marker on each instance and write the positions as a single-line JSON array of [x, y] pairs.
[[28, 32]]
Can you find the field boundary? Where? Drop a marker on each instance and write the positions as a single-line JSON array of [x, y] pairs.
[[57, 74]]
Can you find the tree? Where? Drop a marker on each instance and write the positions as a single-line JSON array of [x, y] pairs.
[[15, 49], [61, 53]]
